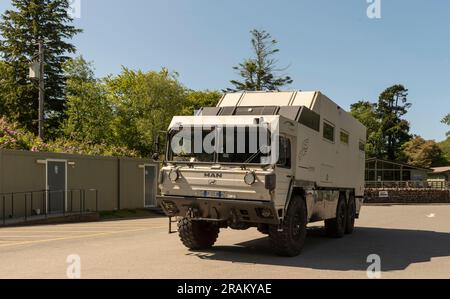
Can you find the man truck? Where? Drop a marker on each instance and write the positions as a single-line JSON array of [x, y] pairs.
[[276, 161]]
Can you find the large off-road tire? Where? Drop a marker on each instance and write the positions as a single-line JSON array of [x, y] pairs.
[[197, 235], [335, 228], [351, 215], [290, 241]]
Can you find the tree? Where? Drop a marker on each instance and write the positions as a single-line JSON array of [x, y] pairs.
[[196, 100], [445, 148], [14, 98], [144, 104], [392, 106], [366, 113], [21, 28], [89, 111], [259, 73], [387, 130], [446, 121], [423, 153]]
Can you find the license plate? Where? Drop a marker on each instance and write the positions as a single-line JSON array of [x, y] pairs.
[[218, 194]]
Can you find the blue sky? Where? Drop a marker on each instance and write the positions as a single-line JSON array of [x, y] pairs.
[[330, 45]]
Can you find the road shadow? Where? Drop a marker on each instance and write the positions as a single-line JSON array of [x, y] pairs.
[[397, 248]]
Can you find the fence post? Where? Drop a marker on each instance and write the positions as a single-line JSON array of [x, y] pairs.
[[71, 201], [12, 205], [47, 199], [96, 200], [26, 208], [64, 203], [84, 201], [81, 202], [31, 208], [4, 211]]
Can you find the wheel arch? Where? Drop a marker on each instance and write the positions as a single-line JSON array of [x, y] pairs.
[[301, 193]]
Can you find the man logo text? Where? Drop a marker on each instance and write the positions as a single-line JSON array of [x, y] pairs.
[[214, 175]]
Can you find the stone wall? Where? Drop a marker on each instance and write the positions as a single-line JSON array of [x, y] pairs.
[[403, 196]]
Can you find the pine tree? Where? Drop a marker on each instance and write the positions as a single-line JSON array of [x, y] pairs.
[[259, 73], [21, 29], [392, 106]]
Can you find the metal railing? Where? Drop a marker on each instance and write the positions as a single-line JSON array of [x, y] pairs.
[[439, 184], [28, 206], [407, 185]]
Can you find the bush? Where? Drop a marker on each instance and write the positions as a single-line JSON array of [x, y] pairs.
[[15, 138]]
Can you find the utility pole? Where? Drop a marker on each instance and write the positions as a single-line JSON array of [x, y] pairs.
[[41, 89]]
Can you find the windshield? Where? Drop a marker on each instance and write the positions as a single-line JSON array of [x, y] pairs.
[[242, 145], [246, 145], [182, 146]]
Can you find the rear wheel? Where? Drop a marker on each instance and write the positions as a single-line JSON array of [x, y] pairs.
[[290, 241], [351, 216], [197, 235], [335, 228]]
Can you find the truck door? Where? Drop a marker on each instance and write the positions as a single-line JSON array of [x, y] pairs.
[[284, 171]]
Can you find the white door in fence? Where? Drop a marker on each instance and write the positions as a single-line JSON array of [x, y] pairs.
[[56, 186], [150, 185]]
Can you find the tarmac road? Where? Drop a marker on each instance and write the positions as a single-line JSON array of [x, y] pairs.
[[412, 242]]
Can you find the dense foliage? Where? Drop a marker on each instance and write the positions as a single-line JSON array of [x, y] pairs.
[[128, 110], [15, 138], [422, 153]]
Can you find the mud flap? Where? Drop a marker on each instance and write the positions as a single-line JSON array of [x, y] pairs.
[[286, 207], [171, 222]]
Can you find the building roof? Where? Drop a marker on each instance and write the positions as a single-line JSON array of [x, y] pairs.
[[400, 164], [441, 169]]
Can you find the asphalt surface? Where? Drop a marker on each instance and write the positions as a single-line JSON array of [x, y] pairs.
[[412, 242]]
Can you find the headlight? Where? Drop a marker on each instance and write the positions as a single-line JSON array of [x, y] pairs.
[[174, 175], [250, 178]]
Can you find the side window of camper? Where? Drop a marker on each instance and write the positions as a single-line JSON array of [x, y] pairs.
[[310, 119], [285, 159], [328, 132], [345, 138], [362, 146]]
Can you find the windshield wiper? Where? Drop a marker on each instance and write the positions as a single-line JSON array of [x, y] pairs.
[[254, 155]]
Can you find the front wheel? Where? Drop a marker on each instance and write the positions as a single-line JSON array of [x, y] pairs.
[[197, 235], [289, 239]]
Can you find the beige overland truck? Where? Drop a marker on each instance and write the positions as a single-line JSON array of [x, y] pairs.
[[271, 160]]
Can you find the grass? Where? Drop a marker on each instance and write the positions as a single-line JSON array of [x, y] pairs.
[[124, 214]]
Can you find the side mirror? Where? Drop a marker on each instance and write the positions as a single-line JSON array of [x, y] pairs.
[[155, 157], [156, 149], [157, 146]]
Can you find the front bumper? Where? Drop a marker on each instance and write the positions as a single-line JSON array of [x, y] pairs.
[[220, 210]]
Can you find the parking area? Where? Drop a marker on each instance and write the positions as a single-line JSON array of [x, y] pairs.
[[412, 242]]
